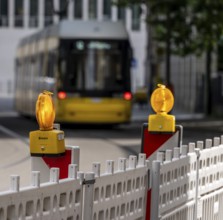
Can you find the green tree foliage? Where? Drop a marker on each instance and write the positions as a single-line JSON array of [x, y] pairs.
[[191, 25], [185, 27], [169, 19], [207, 20]]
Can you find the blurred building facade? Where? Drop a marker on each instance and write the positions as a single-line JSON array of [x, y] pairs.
[[19, 18]]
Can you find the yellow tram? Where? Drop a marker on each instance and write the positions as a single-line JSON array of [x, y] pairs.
[[86, 64]]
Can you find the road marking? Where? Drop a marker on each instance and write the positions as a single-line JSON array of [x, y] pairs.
[[9, 114], [14, 135]]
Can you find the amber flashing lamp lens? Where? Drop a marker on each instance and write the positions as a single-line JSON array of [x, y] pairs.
[[162, 100], [45, 111]]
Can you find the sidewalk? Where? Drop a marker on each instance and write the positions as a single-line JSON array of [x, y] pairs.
[[15, 160], [140, 114], [187, 120]]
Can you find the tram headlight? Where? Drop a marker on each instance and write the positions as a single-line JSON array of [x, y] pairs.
[[62, 95], [127, 96]]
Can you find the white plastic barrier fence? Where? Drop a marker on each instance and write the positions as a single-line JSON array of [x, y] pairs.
[[121, 195], [186, 182], [184, 212], [117, 194], [190, 182], [211, 206], [177, 179], [53, 200], [211, 167]]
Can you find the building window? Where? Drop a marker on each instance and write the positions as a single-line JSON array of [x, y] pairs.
[[63, 8], [48, 13], [78, 8], [92, 9], [19, 13], [136, 17], [107, 9], [33, 13], [121, 13], [4, 13]]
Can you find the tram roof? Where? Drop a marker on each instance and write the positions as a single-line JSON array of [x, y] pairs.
[[80, 29]]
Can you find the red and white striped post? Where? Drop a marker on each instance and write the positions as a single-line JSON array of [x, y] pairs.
[[45, 163], [160, 133], [152, 143]]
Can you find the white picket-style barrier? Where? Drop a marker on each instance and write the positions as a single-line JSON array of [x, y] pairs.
[[117, 194], [186, 184], [191, 182], [122, 195], [57, 199]]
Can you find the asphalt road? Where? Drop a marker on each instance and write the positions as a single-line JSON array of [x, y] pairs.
[[128, 136], [97, 143]]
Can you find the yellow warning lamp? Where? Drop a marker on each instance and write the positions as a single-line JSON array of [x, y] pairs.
[[162, 101], [45, 112], [47, 140]]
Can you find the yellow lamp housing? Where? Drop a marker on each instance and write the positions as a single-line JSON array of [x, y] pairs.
[[162, 101], [46, 141]]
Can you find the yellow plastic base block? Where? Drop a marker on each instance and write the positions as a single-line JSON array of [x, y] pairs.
[[161, 123], [49, 143]]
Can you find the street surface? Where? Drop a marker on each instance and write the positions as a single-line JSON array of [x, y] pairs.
[[97, 143]]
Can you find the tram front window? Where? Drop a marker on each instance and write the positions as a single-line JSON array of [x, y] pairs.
[[94, 67]]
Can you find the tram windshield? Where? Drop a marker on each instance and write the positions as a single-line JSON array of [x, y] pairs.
[[94, 66]]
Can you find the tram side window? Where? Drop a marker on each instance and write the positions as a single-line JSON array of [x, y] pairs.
[[32, 67], [18, 71], [40, 64], [26, 71], [51, 64]]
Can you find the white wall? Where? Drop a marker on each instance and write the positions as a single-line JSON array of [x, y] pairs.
[[139, 45], [138, 42], [9, 39]]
